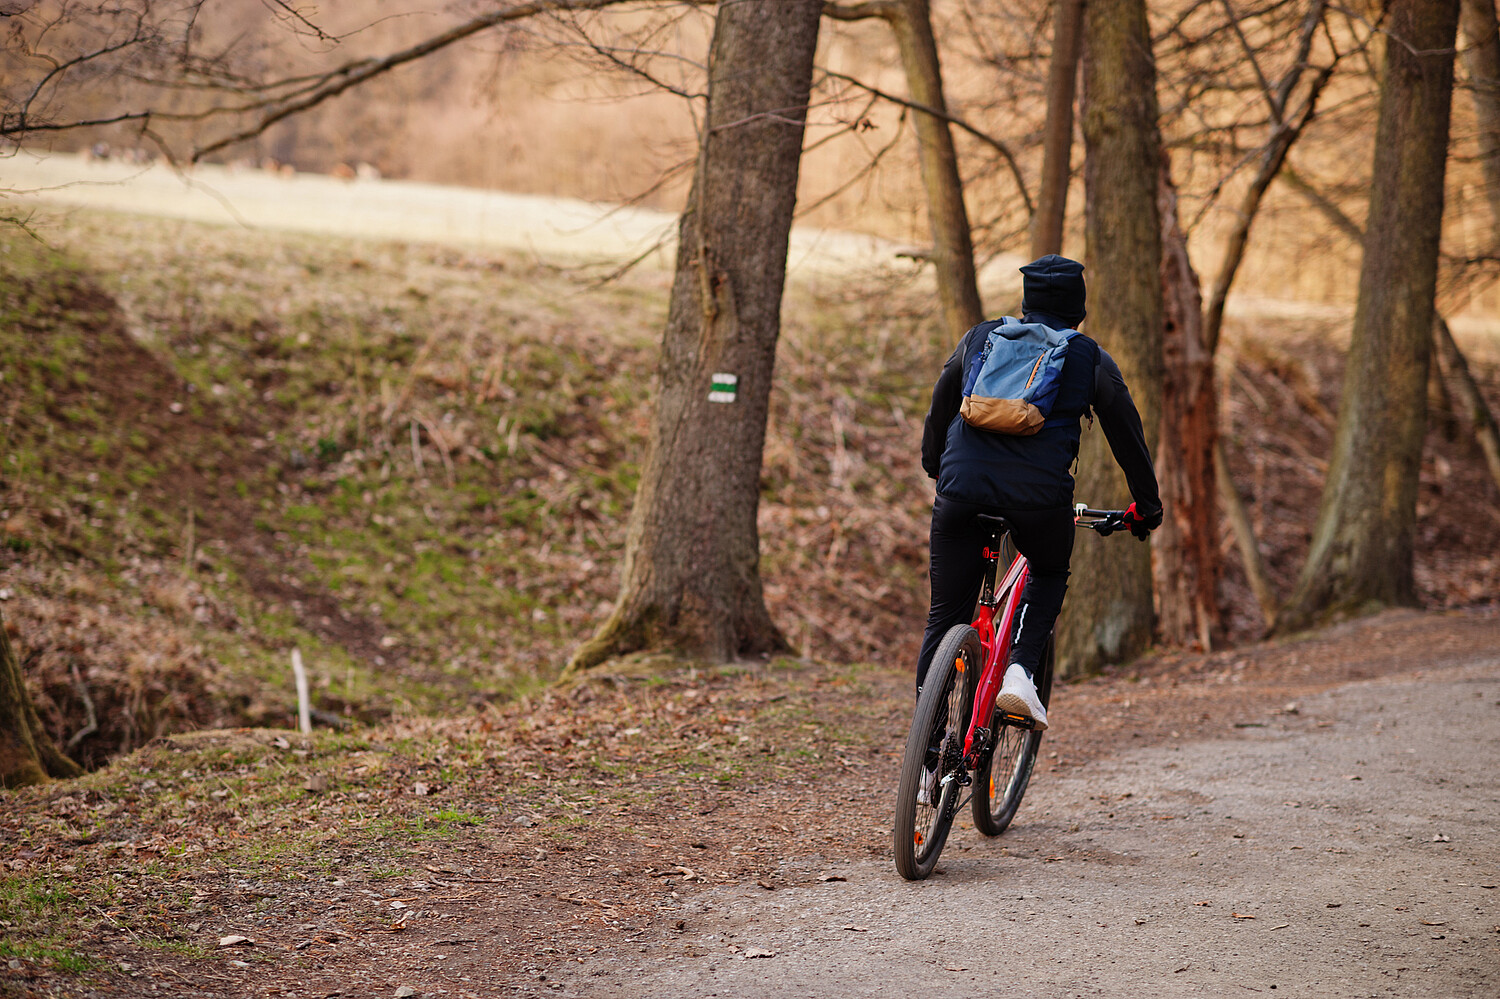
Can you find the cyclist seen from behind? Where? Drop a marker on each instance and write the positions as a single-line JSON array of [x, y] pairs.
[[1025, 478]]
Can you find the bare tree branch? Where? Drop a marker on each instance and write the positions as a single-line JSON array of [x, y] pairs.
[[859, 11], [1272, 159], [996, 144], [353, 74]]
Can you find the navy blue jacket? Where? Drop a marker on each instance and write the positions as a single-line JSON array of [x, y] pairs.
[[1033, 473]]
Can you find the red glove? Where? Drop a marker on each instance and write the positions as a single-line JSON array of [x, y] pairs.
[[1141, 525]]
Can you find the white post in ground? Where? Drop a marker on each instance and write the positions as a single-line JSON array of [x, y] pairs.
[[304, 705]]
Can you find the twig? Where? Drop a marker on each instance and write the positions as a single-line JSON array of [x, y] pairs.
[[88, 709], [1244, 535], [436, 437], [187, 546]]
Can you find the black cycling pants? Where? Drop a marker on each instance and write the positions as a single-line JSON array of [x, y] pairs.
[[1045, 537]]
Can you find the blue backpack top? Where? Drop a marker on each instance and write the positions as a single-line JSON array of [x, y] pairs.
[[1013, 382]]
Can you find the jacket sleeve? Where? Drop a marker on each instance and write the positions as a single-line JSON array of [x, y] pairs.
[[1122, 428], [947, 395]]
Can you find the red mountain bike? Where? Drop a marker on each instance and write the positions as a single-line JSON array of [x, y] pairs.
[[957, 739]]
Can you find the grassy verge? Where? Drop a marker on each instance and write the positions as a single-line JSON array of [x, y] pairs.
[[410, 462]]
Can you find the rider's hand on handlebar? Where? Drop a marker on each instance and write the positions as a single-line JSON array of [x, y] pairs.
[[1141, 525]]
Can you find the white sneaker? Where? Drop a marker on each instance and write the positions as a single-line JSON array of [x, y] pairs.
[[1018, 697], [926, 791]]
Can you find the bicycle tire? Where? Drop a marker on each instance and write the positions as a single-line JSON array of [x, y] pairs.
[[938, 727], [1001, 779]]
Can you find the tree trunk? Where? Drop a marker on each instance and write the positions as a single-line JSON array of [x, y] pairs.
[[1185, 550], [1108, 615], [1454, 366], [1361, 553], [691, 576], [1482, 61], [27, 755], [1057, 138], [952, 245]]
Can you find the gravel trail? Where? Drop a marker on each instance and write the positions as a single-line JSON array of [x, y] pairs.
[[1345, 850]]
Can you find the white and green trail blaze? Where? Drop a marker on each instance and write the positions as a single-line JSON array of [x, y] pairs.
[[722, 387]]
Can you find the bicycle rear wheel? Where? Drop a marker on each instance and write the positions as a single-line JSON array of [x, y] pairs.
[[934, 753], [1000, 782]]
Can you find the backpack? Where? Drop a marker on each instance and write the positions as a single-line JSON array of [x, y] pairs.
[[1013, 382]]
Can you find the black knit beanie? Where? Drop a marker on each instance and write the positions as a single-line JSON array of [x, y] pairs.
[[1053, 286]]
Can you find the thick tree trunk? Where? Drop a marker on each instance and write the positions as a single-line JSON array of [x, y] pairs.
[[1057, 138], [1108, 614], [27, 755], [691, 575], [1185, 550], [952, 245], [1454, 367], [1361, 553], [1481, 57]]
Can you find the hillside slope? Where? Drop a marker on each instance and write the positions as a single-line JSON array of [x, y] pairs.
[[414, 463]]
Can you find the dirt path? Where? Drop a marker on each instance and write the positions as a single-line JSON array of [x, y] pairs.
[[1346, 850], [551, 228]]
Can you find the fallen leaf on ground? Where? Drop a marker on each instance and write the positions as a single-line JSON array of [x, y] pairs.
[[234, 940], [751, 952]]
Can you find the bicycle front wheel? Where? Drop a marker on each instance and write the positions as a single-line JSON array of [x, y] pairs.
[[1001, 780], [932, 768]]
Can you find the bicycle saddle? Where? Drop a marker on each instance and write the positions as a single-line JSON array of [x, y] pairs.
[[999, 523]]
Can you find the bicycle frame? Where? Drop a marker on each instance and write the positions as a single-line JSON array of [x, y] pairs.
[[996, 644]]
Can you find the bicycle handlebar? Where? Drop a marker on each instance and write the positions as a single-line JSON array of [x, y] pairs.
[[1105, 522]]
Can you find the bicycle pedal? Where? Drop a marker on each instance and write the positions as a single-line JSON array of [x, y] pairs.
[[1020, 721]]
